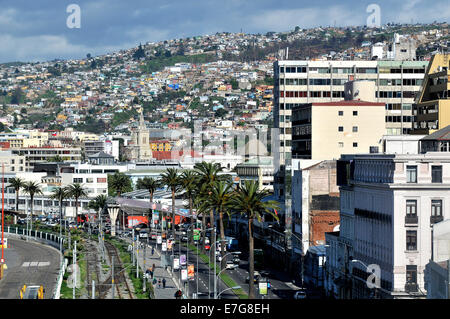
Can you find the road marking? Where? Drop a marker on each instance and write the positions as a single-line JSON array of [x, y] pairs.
[[36, 264], [26, 264]]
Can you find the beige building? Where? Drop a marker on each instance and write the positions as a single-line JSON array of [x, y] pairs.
[[324, 131], [12, 163], [140, 146]]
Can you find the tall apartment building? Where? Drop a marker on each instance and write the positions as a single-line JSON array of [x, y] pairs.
[[389, 204], [433, 102], [44, 154]]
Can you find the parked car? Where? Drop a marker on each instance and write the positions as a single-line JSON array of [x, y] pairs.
[[300, 294], [143, 234]]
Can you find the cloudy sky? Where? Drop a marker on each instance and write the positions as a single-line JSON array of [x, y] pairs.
[[37, 30]]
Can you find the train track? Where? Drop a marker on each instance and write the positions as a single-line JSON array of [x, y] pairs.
[[121, 284], [93, 272]]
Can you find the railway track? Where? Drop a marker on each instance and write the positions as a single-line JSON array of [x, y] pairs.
[[121, 284]]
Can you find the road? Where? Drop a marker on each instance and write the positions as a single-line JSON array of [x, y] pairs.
[[29, 264]]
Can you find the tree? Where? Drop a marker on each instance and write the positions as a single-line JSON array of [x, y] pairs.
[[118, 184], [60, 194], [219, 200], [249, 201], [208, 175], [32, 188], [17, 183], [171, 179], [98, 203], [189, 183], [76, 191], [151, 185]]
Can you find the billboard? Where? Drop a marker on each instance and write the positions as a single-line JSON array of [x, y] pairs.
[[135, 220], [262, 288], [184, 274], [176, 263], [183, 260], [158, 239], [169, 244], [191, 271], [164, 246]]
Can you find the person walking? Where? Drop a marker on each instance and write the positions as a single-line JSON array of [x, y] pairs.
[[164, 282], [159, 283], [153, 250]]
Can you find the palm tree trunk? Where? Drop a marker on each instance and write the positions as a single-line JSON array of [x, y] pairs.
[[222, 240], [173, 214], [203, 231], [251, 261], [31, 214], [150, 212], [17, 200], [190, 214], [76, 211], [213, 233]]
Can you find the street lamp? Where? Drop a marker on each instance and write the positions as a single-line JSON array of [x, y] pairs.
[[367, 267], [232, 288]]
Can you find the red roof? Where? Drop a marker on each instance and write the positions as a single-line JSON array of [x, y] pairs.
[[172, 155]]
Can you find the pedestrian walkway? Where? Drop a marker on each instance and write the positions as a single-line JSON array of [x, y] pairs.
[[159, 273]]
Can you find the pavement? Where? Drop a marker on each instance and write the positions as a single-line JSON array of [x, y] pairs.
[[159, 272]]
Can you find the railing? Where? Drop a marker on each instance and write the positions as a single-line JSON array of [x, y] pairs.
[[411, 220], [436, 219], [45, 238], [411, 287]]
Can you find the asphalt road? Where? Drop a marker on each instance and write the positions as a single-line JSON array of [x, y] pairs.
[[29, 264]]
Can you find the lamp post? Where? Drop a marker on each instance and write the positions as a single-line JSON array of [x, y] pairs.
[[216, 276], [367, 267], [232, 288], [302, 255]]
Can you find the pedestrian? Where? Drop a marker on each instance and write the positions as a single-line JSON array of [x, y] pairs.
[[151, 274], [159, 283], [154, 281], [153, 250], [154, 267], [164, 282]]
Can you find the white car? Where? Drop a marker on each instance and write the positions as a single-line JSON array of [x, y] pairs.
[[231, 265], [301, 294]]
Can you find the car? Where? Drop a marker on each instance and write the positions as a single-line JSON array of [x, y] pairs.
[[231, 265], [207, 247], [300, 294], [143, 234], [51, 223], [256, 277]]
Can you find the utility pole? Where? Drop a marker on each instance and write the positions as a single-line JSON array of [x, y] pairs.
[[137, 258], [74, 269], [143, 275], [133, 247], [93, 289], [112, 275]]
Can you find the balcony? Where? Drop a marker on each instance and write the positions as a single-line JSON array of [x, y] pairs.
[[411, 287], [436, 219], [411, 220]]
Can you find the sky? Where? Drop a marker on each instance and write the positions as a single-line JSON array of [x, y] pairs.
[[32, 31]]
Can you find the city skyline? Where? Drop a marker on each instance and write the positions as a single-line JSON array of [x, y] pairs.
[[39, 32]]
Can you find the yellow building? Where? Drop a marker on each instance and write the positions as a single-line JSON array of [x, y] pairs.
[[160, 146], [433, 103], [324, 131]]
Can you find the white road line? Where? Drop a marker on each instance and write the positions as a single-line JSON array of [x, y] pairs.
[[33, 264], [26, 264]]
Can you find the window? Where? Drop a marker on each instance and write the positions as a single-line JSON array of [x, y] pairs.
[[341, 113], [78, 180], [355, 144], [436, 207], [341, 144], [355, 113], [89, 180], [411, 208], [355, 129], [436, 174], [411, 174], [341, 129], [411, 240], [411, 274]]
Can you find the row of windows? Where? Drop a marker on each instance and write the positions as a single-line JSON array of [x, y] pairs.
[[411, 207], [354, 129], [335, 94], [90, 180], [399, 82], [341, 113], [411, 174], [341, 144], [303, 69], [398, 119], [382, 82], [395, 94]]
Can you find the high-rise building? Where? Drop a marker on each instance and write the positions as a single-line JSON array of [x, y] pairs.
[[433, 102]]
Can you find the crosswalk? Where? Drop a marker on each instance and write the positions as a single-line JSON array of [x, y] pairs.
[[36, 264]]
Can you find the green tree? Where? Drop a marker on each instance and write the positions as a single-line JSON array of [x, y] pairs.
[[118, 183], [251, 202], [32, 188], [151, 185], [76, 191], [171, 179], [60, 194], [17, 183]]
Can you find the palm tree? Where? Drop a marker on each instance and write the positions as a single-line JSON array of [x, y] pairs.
[[189, 183], [32, 188], [76, 191], [119, 182], [17, 183], [248, 200], [151, 185], [60, 194], [98, 203], [219, 200], [171, 179], [208, 175]]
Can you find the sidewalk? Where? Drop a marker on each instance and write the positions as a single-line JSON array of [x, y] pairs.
[[159, 273]]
